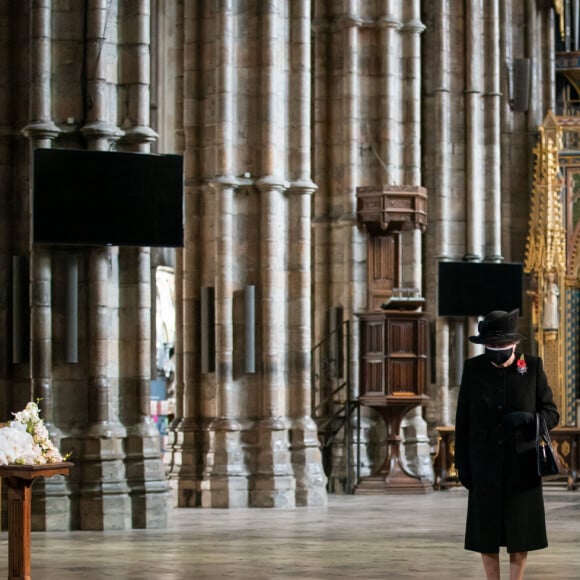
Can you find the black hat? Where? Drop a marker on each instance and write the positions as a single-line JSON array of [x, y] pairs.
[[498, 327]]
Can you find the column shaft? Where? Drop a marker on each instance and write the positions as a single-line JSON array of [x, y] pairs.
[[473, 148], [102, 442], [492, 131]]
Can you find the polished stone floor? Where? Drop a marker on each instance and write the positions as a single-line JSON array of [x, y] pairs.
[[355, 537]]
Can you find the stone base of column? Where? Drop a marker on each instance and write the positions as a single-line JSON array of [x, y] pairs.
[[104, 494], [415, 449], [337, 472], [273, 484], [337, 478], [225, 484], [307, 464], [187, 442], [51, 505], [146, 478]]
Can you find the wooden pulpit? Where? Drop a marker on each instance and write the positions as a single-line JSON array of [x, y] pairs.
[[394, 365], [19, 480], [394, 332]]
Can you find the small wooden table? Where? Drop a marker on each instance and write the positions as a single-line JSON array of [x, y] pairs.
[[19, 480]]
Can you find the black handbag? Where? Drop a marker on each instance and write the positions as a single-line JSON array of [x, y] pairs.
[[548, 466]]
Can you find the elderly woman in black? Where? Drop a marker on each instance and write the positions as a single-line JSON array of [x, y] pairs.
[[501, 391]]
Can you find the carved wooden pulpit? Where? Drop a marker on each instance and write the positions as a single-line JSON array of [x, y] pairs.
[[394, 332]]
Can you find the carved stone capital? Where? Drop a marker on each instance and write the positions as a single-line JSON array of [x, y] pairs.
[[389, 21], [139, 134], [41, 130], [302, 187], [272, 183], [414, 26], [101, 130], [222, 182]]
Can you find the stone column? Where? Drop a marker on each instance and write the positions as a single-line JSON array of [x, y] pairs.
[[273, 483], [473, 130], [322, 132], [440, 229], [226, 483], [190, 436], [349, 277], [414, 435], [306, 455], [305, 447], [189, 442], [390, 139], [173, 430], [51, 499], [412, 240], [145, 474], [442, 370], [104, 494], [492, 131]]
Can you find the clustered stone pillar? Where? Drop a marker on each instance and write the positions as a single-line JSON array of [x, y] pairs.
[[226, 482], [189, 436], [104, 494], [473, 175], [145, 473], [441, 231], [51, 498], [305, 447], [273, 483]]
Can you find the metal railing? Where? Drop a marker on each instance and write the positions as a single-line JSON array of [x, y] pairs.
[[333, 405]]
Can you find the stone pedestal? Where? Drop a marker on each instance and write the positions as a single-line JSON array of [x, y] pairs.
[[146, 478], [189, 441], [226, 482], [51, 505], [104, 494], [415, 449], [273, 484], [307, 464]]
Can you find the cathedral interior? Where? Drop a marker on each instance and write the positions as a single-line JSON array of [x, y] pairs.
[[244, 297]]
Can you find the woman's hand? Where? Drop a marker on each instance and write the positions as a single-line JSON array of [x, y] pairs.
[[517, 419]]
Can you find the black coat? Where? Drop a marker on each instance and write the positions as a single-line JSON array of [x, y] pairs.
[[496, 459]]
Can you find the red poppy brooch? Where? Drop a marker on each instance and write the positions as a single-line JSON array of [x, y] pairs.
[[522, 366]]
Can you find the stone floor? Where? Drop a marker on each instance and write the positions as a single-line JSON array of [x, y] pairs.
[[355, 537]]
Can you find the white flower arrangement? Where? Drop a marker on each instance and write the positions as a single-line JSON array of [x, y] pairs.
[[25, 441]]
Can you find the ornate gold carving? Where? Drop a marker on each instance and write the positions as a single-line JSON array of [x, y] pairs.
[[559, 8], [564, 448], [546, 258]]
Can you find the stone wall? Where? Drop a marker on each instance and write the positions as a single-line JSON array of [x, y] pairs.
[[281, 110]]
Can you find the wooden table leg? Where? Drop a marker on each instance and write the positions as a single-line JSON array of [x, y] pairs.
[[19, 526]]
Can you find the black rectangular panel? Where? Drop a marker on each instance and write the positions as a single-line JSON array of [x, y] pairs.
[[96, 198], [476, 288]]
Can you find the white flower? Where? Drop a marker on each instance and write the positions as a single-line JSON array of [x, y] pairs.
[[26, 440]]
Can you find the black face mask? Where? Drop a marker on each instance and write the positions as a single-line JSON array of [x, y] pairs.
[[499, 356]]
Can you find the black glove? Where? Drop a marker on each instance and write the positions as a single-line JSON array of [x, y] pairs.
[[518, 419]]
